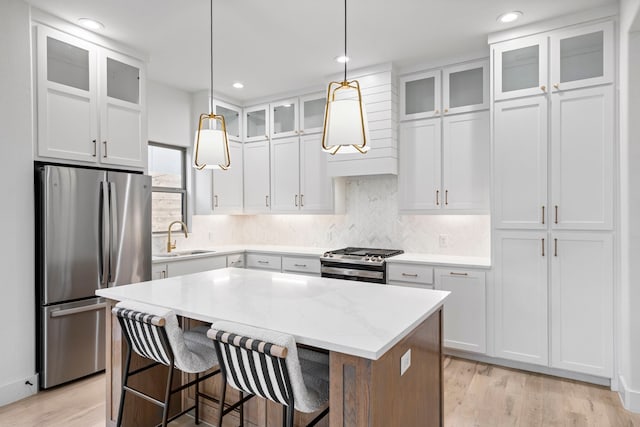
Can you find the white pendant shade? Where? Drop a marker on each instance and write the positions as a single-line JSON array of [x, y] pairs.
[[210, 149], [346, 127]]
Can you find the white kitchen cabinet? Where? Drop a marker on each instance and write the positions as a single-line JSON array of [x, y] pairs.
[[520, 67], [301, 265], [90, 102], [448, 174], [158, 271], [419, 176], [312, 109], [520, 163], [582, 56], [582, 147], [465, 311], [195, 265], [227, 184], [581, 302], [264, 261], [284, 118], [316, 186], [465, 87], [256, 175], [235, 260], [285, 174], [232, 119], [420, 95], [256, 123], [410, 275], [521, 296]]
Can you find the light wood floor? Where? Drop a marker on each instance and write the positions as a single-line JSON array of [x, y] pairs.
[[476, 395]]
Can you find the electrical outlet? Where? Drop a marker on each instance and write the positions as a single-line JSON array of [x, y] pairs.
[[444, 240], [211, 236], [405, 362]]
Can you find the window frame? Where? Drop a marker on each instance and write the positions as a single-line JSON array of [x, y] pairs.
[[173, 190]]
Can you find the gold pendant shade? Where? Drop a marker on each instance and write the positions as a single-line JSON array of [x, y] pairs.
[[345, 119], [211, 146]]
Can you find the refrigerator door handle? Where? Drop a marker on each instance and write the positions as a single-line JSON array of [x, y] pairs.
[[113, 240], [76, 310], [105, 243]]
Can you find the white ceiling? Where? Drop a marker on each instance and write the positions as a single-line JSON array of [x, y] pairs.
[[278, 46]]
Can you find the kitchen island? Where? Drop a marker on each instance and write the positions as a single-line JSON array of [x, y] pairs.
[[366, 328]]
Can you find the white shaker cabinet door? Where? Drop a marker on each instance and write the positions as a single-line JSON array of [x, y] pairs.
[[316, 186], [520, 67], [285, 174], [465, 310], [582, 146], [420, 165], [520, 163], [466, 161], [582, 302], [520, 306], [227, 184], [256, 177]]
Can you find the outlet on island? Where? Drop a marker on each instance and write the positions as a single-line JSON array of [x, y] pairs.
[[405, 362]]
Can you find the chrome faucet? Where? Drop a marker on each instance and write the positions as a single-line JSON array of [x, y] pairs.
[[173, 245]]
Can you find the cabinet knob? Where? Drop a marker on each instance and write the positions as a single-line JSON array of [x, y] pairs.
[[436, 112], [446, 110], [556, 86], [543, 88]]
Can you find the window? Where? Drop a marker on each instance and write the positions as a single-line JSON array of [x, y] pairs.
[[169, 187]]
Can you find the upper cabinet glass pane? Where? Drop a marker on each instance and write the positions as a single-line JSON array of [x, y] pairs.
[[256, 123], [231, 120], [582, 57], [314, 113], [123, 81], [67, 64], [466, 88], [420, 95], [520, 68], [284, 118]]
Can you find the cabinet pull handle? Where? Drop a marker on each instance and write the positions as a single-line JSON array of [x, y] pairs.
[[266, 201], [95, 148], [446, 197], [302, 200], [543, 215], [296, 200], [437, 197], [453, 273], [215, 201], [410, 275], [556, 220], [543, 246], [164, 274], [300, 265], [555, 247], [105, 149], [543, 88], [263, 262]]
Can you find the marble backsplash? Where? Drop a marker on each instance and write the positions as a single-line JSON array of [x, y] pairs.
[[371, 220]]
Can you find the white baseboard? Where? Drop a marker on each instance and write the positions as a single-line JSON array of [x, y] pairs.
[[630, 398], [18, 390]]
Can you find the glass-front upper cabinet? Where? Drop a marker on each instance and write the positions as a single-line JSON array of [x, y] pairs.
[[465, 88], [520, 67], [256, 123], [312, 108], [582, 56], [420, 95], [284, 118], [232, 119]]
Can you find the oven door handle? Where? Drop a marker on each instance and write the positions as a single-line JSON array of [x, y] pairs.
[[353, 272]]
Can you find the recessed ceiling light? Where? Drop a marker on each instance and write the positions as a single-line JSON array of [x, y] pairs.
[[91, 24], [238, 85], [342, 59], [509, 16]]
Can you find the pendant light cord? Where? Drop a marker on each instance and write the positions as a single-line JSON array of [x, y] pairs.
[[345, 41], [211, 58]]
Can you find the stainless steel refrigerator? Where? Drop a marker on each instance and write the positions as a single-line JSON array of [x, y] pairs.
[[93, 231]]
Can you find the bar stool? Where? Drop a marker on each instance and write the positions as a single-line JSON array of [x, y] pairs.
[[154, 333], [265, 363]]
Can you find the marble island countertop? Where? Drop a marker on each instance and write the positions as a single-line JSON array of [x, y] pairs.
[[356, 318]]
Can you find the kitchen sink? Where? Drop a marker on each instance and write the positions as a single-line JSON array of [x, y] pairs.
[[184, 253]]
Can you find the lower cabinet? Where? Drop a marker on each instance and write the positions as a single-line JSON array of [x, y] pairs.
[[264, 261], [235, 260], [465, 312], [410, 275], [195, 265], [554, 299], [301, 265], [158, 271]]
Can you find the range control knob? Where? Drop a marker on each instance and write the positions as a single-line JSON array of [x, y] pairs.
[[326, 255], [367, 258]]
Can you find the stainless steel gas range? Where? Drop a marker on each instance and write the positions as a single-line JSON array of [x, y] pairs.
[[361, 264]]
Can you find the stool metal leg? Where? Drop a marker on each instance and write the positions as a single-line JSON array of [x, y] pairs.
[[167, 396], [223, 394], [241, 410], [197, 399], [289, 419], [124, 384]]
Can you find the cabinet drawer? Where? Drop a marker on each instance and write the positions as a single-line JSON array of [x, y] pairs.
[[235, 260], [301, 265], [196, 265], [264, 262], [412, 273]]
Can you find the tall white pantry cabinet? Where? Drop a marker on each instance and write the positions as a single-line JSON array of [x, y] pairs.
[[553, 146]]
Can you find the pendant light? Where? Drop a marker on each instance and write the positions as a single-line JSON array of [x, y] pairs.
[[211, 145], [345, 119]]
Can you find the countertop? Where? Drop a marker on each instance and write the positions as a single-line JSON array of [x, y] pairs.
[[356, 318]]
